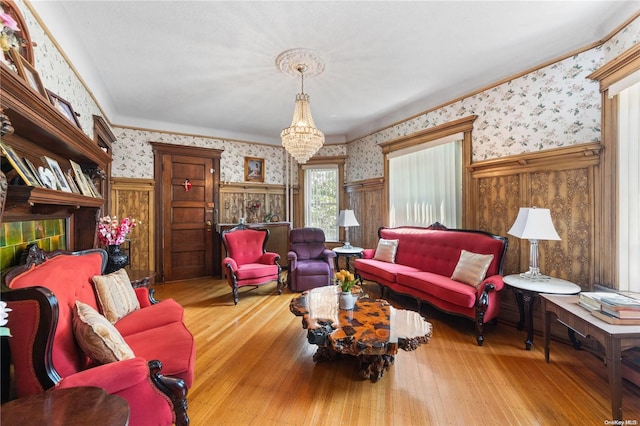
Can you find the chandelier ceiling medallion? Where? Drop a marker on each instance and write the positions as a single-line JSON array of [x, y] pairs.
[[302, 139]]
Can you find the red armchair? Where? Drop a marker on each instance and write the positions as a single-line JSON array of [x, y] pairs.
[[46, 353], [247, 261]]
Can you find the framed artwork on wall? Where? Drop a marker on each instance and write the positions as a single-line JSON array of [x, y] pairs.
[[253, 169], [64, 107]]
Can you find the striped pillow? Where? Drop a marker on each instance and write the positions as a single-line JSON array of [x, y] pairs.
[[386, 250], [471, 268], [116, 296], [97, 337]]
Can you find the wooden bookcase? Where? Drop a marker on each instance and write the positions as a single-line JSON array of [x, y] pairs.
[[41, 130]]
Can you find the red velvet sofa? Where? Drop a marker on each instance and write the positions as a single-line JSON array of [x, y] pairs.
[[45, 352], [425, 261]]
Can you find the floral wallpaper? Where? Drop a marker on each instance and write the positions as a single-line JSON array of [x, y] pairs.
[[551, 107], [57, 75], [133, 155]]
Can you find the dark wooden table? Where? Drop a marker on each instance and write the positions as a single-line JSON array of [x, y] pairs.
[[67, 407], [614, 339], [373, 331]]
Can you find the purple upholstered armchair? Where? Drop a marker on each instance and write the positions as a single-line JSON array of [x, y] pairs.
[[310, 262]]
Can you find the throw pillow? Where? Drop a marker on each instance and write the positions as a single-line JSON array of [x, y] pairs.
[[116, 296], [386, 250], [97, 337], [471, 268]]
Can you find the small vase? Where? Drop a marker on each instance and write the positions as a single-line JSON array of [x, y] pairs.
[[347, 300], [115, 259]]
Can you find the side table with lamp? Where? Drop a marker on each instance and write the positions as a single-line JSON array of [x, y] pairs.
[[534, 224], [347, 219]]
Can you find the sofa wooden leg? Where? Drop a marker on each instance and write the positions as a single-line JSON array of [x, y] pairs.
[[174, 388]]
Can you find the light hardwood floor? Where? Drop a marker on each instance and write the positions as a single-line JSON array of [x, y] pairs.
[[254, 367]]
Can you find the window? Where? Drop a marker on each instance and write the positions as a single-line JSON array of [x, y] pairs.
[[321, 199], [425, 184]]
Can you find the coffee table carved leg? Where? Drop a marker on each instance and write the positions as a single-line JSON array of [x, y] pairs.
[[373, 366], [326, 353]]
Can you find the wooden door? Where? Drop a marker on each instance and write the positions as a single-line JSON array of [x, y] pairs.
[[187, 194]]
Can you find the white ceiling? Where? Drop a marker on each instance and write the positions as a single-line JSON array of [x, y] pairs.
[[208, 67]]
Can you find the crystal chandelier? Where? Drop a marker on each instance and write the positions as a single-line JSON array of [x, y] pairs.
[[302, 139]]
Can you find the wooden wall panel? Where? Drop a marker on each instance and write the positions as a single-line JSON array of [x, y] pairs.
[[366, 199], [562, 180], [134, 197], [498, 204], [568, 194], [234, 199]]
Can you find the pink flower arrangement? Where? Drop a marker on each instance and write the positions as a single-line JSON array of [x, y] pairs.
[[111, 232]]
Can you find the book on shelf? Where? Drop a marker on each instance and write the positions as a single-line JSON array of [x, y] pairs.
[[591, 300], [614, 320], [621, 302]]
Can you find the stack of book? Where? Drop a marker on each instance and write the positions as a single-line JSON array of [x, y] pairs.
[[613, 308]]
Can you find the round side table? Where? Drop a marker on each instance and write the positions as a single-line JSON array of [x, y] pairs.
[[526, 291], [347, 253], [70, 406]]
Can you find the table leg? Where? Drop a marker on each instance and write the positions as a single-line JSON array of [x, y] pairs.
[[528, 299], [520, 303], [346, 259], [546, 329], [613, 357], [336, 262]]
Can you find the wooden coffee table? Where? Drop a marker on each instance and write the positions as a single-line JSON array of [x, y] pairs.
[[373, 331]]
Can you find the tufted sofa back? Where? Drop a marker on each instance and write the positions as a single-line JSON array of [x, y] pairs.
[[438, 251], [245, 245]]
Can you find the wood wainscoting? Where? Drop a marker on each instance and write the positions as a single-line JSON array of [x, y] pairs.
[[234, 198], [366, 199], [134, 197]]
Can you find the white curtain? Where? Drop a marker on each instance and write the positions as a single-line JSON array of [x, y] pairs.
[[629, 188], [426, 186]]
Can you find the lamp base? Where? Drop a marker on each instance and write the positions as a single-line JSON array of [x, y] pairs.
[[347, 245], [534, 276]]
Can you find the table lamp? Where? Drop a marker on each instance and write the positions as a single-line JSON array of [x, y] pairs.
[[534, 224], [347, 219]]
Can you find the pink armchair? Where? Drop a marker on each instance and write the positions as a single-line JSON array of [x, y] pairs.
[[247, 261], [45, 351]]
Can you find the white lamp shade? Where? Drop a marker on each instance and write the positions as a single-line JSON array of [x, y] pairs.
[[534, 224], [347, 218]]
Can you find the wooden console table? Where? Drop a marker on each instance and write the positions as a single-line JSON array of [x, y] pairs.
[[614, 338]]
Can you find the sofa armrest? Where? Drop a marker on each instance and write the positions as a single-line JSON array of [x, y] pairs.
[[269, 258], [496, 280], [145, 297], [113, 377], [328, 255], [230, 263], [368, 253]]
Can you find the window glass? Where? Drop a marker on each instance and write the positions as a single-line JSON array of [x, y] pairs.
[[321, 199]]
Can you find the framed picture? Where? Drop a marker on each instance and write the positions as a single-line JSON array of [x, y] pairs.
[[58, 173], [33, 170], [28, 72], [20, 168], [47, 178], [254, 169], [80, 179], [64, 107], [72, 183]]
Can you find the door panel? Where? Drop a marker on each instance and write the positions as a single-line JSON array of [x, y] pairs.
[[187, 201]]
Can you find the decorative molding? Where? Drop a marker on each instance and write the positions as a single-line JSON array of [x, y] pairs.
[[574, 156], [289, 61], [623, 65]]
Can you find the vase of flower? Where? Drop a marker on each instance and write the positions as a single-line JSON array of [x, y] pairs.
[[116, 259], [346, 281], [112, 233]]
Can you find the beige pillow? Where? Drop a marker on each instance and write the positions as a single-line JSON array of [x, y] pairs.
[[116, 296], [471, 268], [97, 337], [386, 250]]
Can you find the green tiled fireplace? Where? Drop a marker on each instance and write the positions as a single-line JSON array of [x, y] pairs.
[[48, 234]]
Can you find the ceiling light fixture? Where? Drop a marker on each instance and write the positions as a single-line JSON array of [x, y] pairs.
[[302, 139]]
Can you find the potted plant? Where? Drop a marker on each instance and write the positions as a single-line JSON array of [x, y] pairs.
[[346, 281]]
